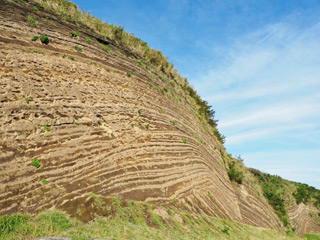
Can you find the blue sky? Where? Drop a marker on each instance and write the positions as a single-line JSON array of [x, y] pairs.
[[257, 62]]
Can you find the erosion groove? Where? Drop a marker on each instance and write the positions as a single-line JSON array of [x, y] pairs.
[[94, 128]]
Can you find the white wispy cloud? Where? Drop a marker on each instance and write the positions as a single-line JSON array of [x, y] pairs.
[[267, 89]]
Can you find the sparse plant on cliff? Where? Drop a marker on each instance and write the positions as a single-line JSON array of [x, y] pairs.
[[147, 126], [71, 57], [184, 140], [35, 9], [225, 230], [79, 49], [35, 163], [44, 181], [88, 40], [34, 38], [106, 49], [173, 123], [64, 55], [32, 21], [160, 110], [44, 39], [27, 100], [129, 74], [74, 34]]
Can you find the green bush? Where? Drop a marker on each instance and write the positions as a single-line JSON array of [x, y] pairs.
[[88, 40], [35, 163], [32, 21], [74, 34], [34, 38], [129, 74], [106, 49], [71, 57], [79, 49], [35, 9], [44, 39], [184, 140]]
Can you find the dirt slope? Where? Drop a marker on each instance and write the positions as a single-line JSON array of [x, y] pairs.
[[95, 129]]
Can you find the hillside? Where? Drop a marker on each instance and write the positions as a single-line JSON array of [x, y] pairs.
[[89, 111]]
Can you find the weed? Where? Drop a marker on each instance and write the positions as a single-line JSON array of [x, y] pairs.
[[129, 74], [71, 57], [88, 40], [99, 122], [184, 140], [11, 223], [147, 126], [45, 128], [32, 21], [106, 49], [35, 163], [44, 39], [79, 49], [139, 112], [138, 63], [35, 9], [27, 100], [209, 193], [150, 84], [63, 56], [225, 230], [74, 34], [173, 123], [44, 181], [160, 110], [34, 38], [179, 99]]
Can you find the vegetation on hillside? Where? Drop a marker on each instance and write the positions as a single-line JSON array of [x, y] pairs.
[[130, 220], [279, 191], [147, 57]]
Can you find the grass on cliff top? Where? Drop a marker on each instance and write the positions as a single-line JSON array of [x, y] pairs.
[[132, 220]]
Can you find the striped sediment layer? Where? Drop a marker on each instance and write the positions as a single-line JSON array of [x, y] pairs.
[[98, 122]]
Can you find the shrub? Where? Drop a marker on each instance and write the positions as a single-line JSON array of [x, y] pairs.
[[44, 181], [184, 140], [71, 57], [173, 123], [35, 9], [129, 74], [235, 174], [44, 39], [74, 34], [27, 100], [32, 21], [225, 230], [34, 38], [79, 49], [35, 163], [63, 56], [106, 49], [88, 40]]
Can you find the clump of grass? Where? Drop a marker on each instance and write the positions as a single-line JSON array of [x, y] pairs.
[[71, 57], [44, 39], [44, 181], [150, 84], [173, 123], [138, 63], [32, 21], [184, 140], [209, 193], [35, 9], [160, 110], [35, 163], [139, 112], [34, 38], [74, 34], [64, 55], [88, 40], [147, 126], [27, 100], [79, 49], [129, 74], [225, 230], [106, 49], [45, 128]]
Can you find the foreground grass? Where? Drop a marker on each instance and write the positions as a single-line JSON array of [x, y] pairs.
[[132, 220]]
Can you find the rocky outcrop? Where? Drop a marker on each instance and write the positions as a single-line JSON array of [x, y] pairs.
[[97, 122]]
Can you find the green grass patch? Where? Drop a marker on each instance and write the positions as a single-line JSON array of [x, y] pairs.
[[78, 49], [44, 39], [35, 163]]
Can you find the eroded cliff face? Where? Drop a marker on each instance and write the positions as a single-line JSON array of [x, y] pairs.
[[94, 128]]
